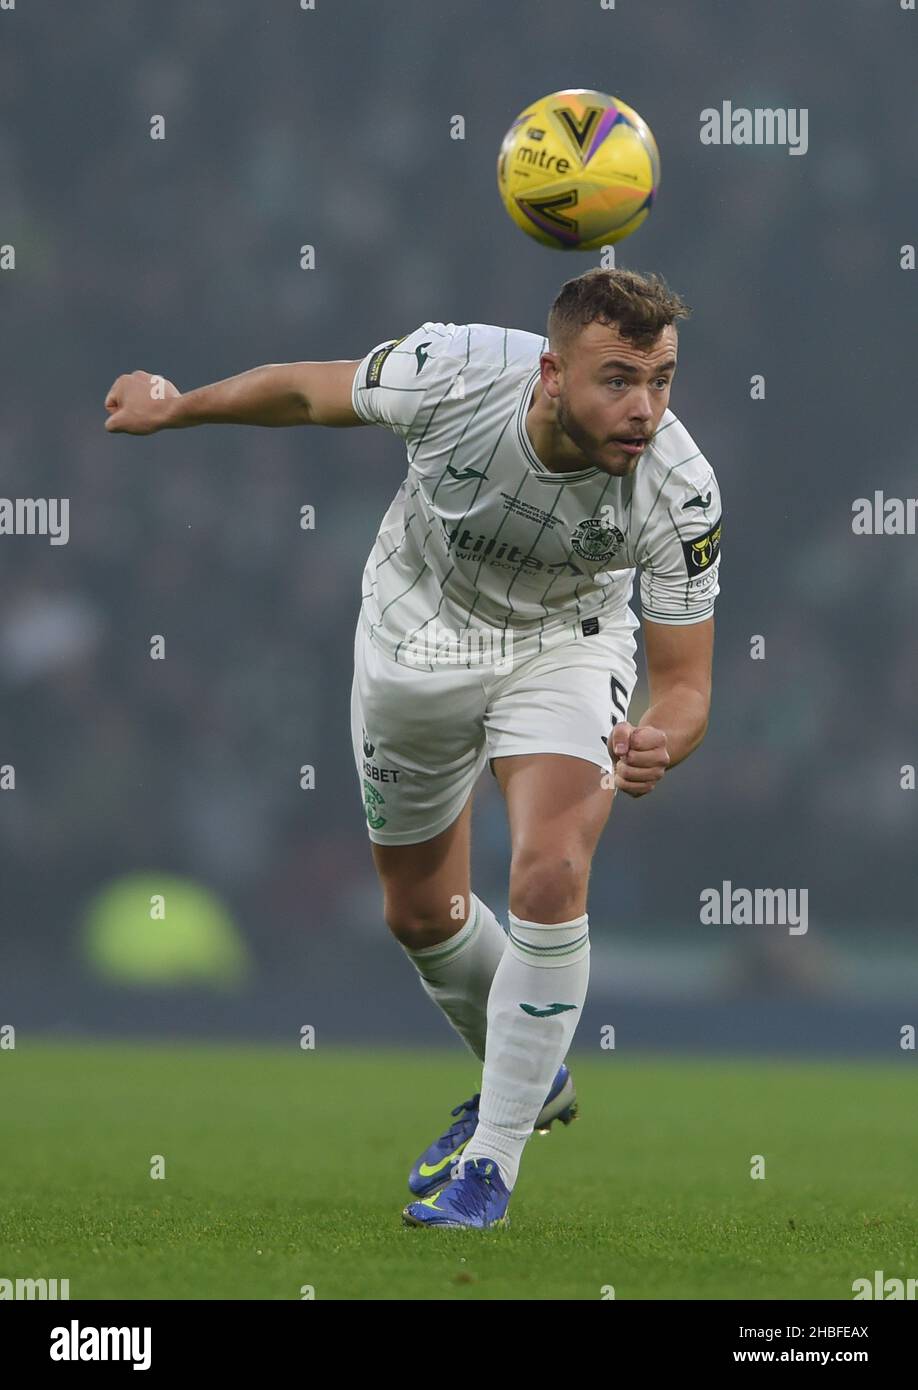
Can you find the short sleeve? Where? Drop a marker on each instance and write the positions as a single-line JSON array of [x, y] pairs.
[[680, 573], [399, 378]]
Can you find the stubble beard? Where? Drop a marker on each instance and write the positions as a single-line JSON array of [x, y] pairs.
[[582, 441]]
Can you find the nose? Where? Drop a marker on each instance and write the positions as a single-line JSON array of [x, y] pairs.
[[640, 408]]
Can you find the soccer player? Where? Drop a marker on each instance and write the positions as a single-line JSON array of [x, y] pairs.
[[495, 627]]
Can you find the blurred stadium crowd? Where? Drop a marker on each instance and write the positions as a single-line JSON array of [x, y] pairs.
[[181, 257]]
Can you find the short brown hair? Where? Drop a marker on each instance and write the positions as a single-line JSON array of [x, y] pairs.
[[639, 306]]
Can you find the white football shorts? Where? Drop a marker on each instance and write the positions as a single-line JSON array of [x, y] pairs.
[[422, 737]]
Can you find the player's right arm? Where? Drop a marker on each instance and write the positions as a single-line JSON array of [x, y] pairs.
[[398, 384], [287, 393]]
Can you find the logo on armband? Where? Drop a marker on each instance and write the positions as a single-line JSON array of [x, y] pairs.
[[374, 369], [704, 550]]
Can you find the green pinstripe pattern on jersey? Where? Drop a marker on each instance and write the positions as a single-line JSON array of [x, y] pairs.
[[504, 518], [598, 606], [593, 602], [412, 457], [672, 468], [430, 418], [396, 597], [484, 397], [602, 597], [384, 386], [469, 612], [453, 598], [395, 549], [596, 507], [628, 487], [521, 411], [685, 596], [661, 430], [374, 581], [436, 614], [557, 498], [688, 579], [560, 483], [381, 386]]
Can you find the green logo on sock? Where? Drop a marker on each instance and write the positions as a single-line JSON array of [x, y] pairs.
[[548, 1011]]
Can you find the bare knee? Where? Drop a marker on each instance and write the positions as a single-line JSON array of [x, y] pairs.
[[548, 886], [417, 922]]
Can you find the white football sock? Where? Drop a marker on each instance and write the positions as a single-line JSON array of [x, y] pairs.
[[457, 973], [543, 966]]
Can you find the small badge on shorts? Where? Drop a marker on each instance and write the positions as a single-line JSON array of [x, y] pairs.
[[373, 802], [589, 627]]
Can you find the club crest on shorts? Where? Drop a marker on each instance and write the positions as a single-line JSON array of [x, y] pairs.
[[596, 541], [373, 802]]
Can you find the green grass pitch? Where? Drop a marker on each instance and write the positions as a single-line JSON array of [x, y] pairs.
[[287, 1168]]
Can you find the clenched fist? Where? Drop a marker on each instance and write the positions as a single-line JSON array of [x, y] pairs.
[[138, 404], [640, 757]]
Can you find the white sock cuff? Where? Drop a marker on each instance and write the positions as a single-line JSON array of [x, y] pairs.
[[549, 943]]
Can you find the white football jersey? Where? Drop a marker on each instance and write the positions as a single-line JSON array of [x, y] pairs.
[[481, 535]]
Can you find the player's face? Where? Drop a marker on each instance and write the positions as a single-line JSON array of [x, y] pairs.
[[612, 395]]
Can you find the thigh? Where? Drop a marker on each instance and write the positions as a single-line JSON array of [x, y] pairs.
[[554, 800], [548, 723], [557, 807]]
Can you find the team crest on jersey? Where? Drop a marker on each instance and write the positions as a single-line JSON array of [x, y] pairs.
[[596, 541], [701, 553]]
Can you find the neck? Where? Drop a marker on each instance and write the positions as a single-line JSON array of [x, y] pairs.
[[555, 449]]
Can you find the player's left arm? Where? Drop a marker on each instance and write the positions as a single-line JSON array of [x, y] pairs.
[[680, 566], [679, 662]]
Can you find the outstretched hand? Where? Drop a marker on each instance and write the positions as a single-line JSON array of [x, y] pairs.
[[136, 403]]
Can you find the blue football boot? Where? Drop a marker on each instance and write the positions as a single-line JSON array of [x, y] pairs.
[[432, 1169], [477, 1196]]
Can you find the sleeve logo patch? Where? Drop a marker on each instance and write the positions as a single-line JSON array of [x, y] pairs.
[[374, 369], [701, 553]]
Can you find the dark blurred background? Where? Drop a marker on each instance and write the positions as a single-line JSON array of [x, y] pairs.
[[331, 128]]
